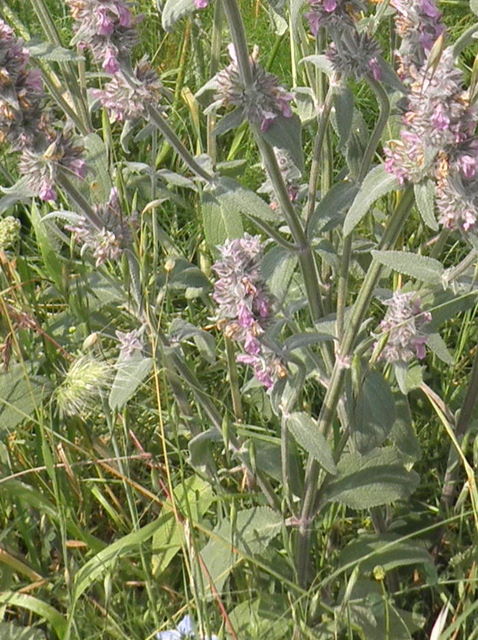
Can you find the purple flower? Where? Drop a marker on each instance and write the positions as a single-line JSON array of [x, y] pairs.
[[107, 243], [262, 102], [418, 23], [354, 54], [332, 14], [129, 98], [41, 168], [130, 342], [245, 305], [107, 28], [21, 93], [201, 4], [439, 118], [186, 630], [403, 322]]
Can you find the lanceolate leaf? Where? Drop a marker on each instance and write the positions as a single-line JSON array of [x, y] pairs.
[[377, 183], [329, 211], [425, 199], [422, 268], [220, 223], [474, 6], [305, 431], [20, 395], [174, 10], [374, 413], [234, 197], [286, 133], [129, 375], [371, 480]]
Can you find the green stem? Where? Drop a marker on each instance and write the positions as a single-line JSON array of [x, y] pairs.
[[176, 143], [216, 39], [234, 381], [332, 396], [79, 200]]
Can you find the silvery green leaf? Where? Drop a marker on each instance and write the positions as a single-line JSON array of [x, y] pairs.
[[230, 121], [295, 7], [321, 62], [176, 179], [371, 480], [377, 183], [344, 111], [18, 192], [130, 373], [279, 23], [307, 435], [305, 101], [389, 76], [328, 212], [219, 223], [232, 168], [278, 267], [100, 176], [474, 6], [181, 330], [414, 265], [425, 199], [436, 343], [408, 376], [174, 10], [50, 51], [286, 133], [238, 199], [374, 412], [307, 339]]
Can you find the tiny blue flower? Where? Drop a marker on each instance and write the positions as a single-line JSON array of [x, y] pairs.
[[186, 630]]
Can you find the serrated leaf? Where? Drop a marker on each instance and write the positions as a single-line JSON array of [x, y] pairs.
[[286, 133], [305, 431], [130, 374], [234, 197], [414, 265], [219, 223], [371, 480], [20, 395], [425, 199], [249, 534], [374, 413], [329, 211], [174, 10], [377, 183]]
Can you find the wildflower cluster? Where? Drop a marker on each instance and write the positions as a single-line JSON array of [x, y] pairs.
[[353, 53], [245, 305], [9, 232], [419, 24], [403, 322], [41, 168], [262, 102], [129, 98], [437, 139], [108, 242], [106, 28], [21, 93]]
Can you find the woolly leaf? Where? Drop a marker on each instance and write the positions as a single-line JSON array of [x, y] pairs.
[[286, 133], [374, 413], [371, 480], [174, 10], [329, 211], [50, 51], [220, 224], [377, 183], [422, 268], [234, 197], [305, 431], [425, 199], [129, 375]]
